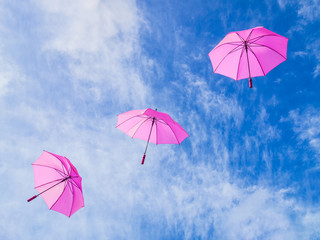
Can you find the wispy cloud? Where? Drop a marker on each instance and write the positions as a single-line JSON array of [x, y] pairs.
[[309, 10], [84, 70], [308, 14], [306, 126], [101, 43]]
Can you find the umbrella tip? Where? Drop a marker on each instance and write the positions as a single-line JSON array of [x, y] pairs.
[[250, 82], [143, 158], [30, 199]]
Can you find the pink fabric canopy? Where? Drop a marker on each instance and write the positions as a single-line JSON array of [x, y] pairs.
[[58, 182], [249, 53], [151, 126], [138, 123]]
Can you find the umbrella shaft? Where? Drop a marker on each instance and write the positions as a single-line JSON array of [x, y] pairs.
[[149, 137], [246, 46]]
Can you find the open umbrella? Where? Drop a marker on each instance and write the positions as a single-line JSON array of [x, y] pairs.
[[58, 182], [151, 126], [249, 53]]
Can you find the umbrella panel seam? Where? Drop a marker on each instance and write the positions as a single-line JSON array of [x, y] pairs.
[[63, 167], [72, 202], [261, 45], [75, 184], [214, 70], [253, 40], [57, 170], [71, 190], [59, 196], [241, 38], [48, 183], [239, 63], [156, 132], [257, 60], [172, 131], [139, 126], [139, 115], [249, 35], [230, 43], [175, 123]]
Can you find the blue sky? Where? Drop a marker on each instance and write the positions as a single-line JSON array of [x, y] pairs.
[[251, 166]]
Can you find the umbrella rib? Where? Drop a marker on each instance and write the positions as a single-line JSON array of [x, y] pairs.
[[257, 60], [69, 185], [72, 203], [140, 115], [214, 70], [61, 173], [174, 133], [249, 35], [139, 127], [261, 45], [36, 164], [241, 38], [156, 133], [70, 170], [239, 63], [230, 43], [252, 40], [175, 123], [48, 183], [170, 129], [63, 167], [73, 183], [59, 196], [235, 49]]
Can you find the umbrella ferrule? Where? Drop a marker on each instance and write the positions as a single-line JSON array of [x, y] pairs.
[[66, 179]]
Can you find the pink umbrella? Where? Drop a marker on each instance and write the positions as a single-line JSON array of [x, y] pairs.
[[58, 182], [249, 53], [151, 126]]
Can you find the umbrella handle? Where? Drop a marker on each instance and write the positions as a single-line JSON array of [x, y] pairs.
[[143, 158], [30, 199], [250, 82]]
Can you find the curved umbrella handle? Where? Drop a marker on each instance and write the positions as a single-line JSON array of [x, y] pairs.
[[30, 199], [250, 82], [143, 158]]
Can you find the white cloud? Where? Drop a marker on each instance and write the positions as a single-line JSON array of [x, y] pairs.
[[316, 72], [306, 125], [314, 50], [7, 73], [101, 41], [215, 105], [300, 54], [308, 13], [283, 3], [309, 10], [260, 214]]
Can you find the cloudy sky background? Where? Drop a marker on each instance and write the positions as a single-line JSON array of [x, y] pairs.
[[251, 166]]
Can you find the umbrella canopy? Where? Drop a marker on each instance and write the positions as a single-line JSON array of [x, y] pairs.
[[58, 182], [249, 53], [151, 126]]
